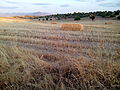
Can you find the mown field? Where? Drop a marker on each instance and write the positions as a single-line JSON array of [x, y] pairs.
[[41, 56]]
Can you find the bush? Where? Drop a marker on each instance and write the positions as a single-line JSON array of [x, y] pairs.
[[118, 17], [117, 12], [112, 15], [47, 19], [77, 18], [92, 17], [59, 18], [103, 15]]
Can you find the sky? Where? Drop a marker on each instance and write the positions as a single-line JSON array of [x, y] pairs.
[[57, 6]]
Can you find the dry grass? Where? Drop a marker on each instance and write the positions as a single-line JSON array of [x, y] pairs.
[[107, 23], [97, 26], [11, 19], [73, 27], [16, 66], [36, 56], [43, 22], [53, 22], [24, 69]]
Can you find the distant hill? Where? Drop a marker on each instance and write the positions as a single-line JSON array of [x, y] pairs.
[[23, 14]]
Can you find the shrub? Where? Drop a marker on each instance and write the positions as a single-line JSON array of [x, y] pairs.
[[77, 18], [112, 15], [118, 17], [117, 12], [92, 17], [58, 18], [47, 19], [50, 19]]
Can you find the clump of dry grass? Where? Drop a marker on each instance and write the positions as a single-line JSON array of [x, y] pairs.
[[23, 69], [96, 26], [107, 23], [43, 22], [73, 27], [53, 22]]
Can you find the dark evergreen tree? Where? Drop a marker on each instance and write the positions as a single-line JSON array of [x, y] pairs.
[[92, 17]]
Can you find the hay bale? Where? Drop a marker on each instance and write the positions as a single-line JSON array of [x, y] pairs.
[[73, 27], [107, 23]]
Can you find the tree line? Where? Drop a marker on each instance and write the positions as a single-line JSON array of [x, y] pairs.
[[92, 15]]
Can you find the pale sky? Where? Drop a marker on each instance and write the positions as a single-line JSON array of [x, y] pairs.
[[57, 6]]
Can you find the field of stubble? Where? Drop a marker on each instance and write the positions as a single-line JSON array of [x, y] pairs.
[[41, 56]]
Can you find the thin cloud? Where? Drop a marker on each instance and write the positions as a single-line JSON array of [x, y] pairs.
[[12, 2], [81, 0], [4, 7], [28, 3], [100, 0], [110, 4], [41, 4], [65, 5]]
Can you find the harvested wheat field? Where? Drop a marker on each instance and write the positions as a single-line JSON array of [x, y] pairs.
[[12, 19], [42, 56]]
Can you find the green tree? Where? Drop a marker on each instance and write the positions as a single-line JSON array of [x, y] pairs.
[[92, 17], [118, 17], [117, 12]]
